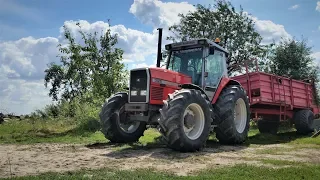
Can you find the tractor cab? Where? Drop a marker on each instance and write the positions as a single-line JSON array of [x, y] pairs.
[[203, 60]]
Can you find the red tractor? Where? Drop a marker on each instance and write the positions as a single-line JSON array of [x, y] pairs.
[[188, 99]]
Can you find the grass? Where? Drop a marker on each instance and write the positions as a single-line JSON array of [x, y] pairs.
[[282, 162], [241, 171], [60, 131], [49, 131], [67, 131]]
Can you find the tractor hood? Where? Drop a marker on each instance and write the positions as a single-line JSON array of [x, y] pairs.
[[152, 85], [168, 77]]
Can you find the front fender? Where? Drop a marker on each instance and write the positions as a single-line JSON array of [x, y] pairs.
[[224, 82], [193, 86]]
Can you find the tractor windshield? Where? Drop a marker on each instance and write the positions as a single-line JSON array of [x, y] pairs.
[[189, 62]]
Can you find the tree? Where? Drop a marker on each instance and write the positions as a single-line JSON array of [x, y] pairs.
[[235, 30], [293, 58], [90, 71]]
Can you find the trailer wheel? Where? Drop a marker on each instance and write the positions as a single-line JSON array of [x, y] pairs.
[[186, 118], [303, 120], [111, 118], [268, 125], [232, 109]]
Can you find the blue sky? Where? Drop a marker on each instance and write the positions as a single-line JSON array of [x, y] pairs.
[[39, 18], [30, 29]]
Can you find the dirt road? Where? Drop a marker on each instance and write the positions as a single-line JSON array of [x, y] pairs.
[[20, 160]]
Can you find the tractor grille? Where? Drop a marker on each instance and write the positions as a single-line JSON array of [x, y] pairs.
[[156, 93], [138, 82]]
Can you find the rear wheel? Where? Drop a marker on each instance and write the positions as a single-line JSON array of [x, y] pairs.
[[303, 120], [232, 109], [113, 121], [269, 125], [186, 119]]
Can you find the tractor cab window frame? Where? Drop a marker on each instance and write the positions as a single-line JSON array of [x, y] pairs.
[[189, 62]]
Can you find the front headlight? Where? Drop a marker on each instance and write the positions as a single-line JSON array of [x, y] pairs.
[[134, 93], [143, 92]]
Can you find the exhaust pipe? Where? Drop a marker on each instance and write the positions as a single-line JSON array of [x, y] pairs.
[[159, 47]]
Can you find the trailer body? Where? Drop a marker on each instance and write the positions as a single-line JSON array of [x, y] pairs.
[[276, 96]]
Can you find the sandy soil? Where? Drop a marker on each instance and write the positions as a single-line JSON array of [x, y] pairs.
[[20, 160]]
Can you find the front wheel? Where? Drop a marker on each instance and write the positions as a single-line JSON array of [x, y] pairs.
[[113, 121], [232, 109], [186, 120]]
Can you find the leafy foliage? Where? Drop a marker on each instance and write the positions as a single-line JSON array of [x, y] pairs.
[[235, 30], [293, 58], [91, 71]]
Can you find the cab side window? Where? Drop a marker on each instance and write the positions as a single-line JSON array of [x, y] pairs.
[[215, 68]]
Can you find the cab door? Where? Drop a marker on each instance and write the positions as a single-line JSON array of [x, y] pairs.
[[215, 69]]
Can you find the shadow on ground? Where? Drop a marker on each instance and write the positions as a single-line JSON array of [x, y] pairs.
[[159, 150], [265, 139]]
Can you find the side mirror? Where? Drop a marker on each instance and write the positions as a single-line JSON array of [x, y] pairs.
[[211, 50]]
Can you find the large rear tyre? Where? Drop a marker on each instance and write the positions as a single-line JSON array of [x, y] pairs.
[[112, 118], [232, 109], [185, 122], [303, 120]]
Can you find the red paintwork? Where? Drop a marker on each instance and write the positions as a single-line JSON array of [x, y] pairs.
[[169, 75], [223, 83], [164, 74], [273, 98]]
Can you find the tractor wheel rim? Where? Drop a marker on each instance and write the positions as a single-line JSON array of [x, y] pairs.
[[128, 127], [196, 130], [240, 115]]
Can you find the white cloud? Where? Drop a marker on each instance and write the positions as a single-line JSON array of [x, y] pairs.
[[164, 14], [141, 65], [159, 14], [22, 62], [316, 55], [318, 6], [271, 31], [136, 44], [21, 96], [27, 58], [294, 7]]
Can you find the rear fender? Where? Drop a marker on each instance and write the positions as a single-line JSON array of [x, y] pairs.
[[224, 82]]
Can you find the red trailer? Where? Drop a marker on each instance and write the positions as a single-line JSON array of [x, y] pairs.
[[275, 98]]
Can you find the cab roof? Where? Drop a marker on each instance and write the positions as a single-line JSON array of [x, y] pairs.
[[196, 42]]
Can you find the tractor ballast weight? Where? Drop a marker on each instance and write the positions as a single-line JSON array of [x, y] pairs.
[[189, 99]]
